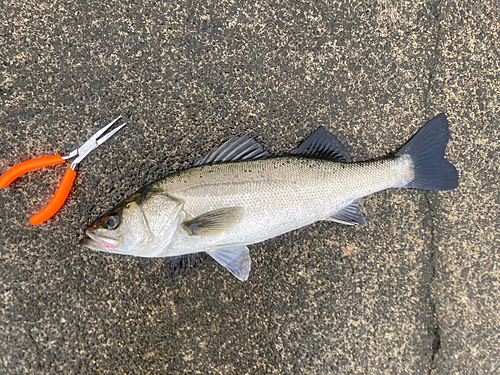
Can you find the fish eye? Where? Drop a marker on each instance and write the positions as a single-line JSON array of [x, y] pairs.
[[112, 222]]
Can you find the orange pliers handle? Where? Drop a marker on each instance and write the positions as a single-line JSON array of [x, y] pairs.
[[57, 200], [26, 166], [61, 194]]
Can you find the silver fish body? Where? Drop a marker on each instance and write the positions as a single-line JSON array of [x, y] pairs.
[[222, 207], [277, 195]]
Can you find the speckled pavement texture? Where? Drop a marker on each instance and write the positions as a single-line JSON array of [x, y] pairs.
[[415, 292]]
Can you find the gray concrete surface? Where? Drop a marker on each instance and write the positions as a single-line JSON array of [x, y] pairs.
[[414, 292]]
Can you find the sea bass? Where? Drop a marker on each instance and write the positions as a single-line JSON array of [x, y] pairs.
[[239, 195]]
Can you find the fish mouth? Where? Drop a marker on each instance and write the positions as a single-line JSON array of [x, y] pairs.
[[99, 243]]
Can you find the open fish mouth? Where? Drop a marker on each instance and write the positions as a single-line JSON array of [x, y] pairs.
[[99, 243]]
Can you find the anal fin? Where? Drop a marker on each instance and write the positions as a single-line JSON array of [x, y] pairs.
[[349, 215], [236, 259]]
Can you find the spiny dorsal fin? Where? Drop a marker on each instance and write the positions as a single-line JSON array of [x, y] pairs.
[[237, 148], [349, 215], [323, 144], [236, 258], [214, 222]]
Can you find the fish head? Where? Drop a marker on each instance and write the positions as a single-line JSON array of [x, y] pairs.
[[121, 230], [142, 225]]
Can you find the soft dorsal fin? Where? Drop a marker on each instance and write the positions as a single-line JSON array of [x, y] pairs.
[[323, 144], [236, 258], [349, 215], [237, 148]]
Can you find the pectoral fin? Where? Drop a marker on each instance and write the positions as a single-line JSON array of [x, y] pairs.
[[214, 222], [235, 259]]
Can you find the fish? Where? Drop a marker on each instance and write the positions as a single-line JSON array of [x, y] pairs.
[[239, 194]]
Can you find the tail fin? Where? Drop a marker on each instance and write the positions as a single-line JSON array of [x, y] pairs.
[[426, 149]]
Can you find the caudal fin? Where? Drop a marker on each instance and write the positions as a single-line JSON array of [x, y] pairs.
[[426, 149]]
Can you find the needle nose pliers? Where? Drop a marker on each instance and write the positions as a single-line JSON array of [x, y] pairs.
[[69, 177]]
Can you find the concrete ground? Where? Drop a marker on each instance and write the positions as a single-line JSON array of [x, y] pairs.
[[415, 292]]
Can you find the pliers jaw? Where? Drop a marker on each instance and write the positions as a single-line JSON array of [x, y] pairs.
[[93, 142]]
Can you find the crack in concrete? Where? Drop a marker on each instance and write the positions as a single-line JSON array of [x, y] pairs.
[[435, 327], [435, 57], [37, 350]]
